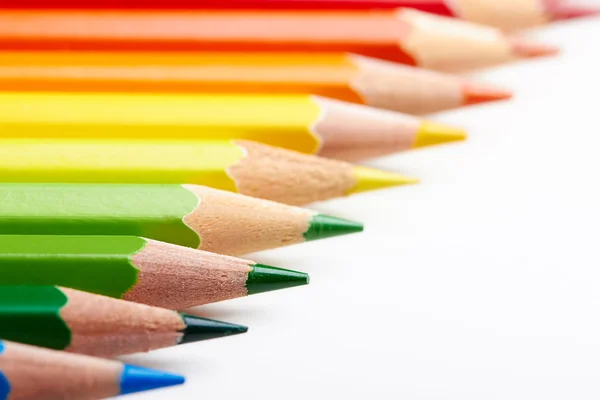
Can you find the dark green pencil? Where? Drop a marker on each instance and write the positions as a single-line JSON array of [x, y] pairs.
[[80, 322]]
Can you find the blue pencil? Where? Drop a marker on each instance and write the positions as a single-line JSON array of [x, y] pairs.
[[33, 373]]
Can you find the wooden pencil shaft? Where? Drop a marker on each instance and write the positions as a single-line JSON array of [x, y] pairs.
[[402, 35], [239, 166], [136, 269], [85, 323], [340, 76], [33, 373], [508, 14]]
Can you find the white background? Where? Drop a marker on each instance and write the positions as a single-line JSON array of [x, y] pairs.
[[481, 283]]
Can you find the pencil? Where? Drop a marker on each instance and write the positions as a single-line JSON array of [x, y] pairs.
[[34, 373], [507, 15], [136, 269], [85, 323], [305, 123], [342, 76], [186, 215], [404, 35], [239, 166]]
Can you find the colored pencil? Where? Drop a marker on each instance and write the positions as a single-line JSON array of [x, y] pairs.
[[503, 14], [404, 35], [239, 166], [34, 373], [85, 323], [136, 269], [187, 215], [341, 76], [304, 123]]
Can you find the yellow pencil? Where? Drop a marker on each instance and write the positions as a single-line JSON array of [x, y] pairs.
[[309, 124], [239, 166]]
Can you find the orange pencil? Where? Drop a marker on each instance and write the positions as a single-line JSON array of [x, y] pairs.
[[342, 76], [403, 35]]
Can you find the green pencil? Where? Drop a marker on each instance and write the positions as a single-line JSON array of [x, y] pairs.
[[188, 215], [136, 269], [85, 323]]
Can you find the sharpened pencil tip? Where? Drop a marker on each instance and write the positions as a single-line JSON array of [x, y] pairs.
[[432, 133], [477, 93], [197, 329], [525, 49], [138, 379], [572, 11], [368, 179], [324, 226], [264, 278]]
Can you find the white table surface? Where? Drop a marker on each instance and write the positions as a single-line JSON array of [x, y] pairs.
[[481, 283]]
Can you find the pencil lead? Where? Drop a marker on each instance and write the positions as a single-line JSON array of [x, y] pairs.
[[139, 379], [368, 179], [265, 278], [477, 93], [197, 329], [570, 11], [432, 133], [325, 226], [527, 49]]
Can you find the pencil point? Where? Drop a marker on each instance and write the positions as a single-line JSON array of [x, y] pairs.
[[432, 133], [570, 11], [525, 49], [324, 226], [198, 329], [477, 93], [264, 278], [138, 379], [368, 179]]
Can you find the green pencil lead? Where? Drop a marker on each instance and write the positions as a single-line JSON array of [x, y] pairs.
[[324, 226], [264, 278], [198, 329]]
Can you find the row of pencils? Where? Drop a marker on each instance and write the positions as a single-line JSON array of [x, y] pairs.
[[144, 146]]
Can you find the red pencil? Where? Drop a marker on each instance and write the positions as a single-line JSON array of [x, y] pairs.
[[403, 35], [504, 14]]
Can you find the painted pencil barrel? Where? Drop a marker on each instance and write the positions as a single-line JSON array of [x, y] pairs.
[[239, 166], [339, 76], [136, 269], [85, 323], [187, 215], [34, 373], [403, 35]]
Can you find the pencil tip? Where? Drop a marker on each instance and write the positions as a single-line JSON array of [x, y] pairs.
[[138, 379], [324, 226], [477, 93], [264, 278], [525, 49], [431, 133], [573, 11], [368, 179], [197, 329]]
